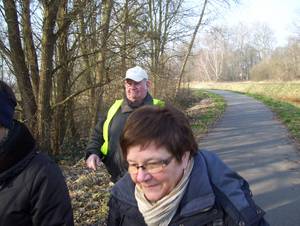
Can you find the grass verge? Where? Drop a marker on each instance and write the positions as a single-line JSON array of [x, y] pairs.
[[286, 91], [205, 114]]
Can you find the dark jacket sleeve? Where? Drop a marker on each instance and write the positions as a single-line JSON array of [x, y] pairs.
[[233, 192], [96, 140], [114, 218], [49, 197], [260, 221]]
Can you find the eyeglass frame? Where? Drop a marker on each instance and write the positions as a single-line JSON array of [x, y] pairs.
[[164, 163], [135, 84]]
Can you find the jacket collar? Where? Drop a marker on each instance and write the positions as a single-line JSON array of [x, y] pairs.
[[199, 195], [17, 151], [126, 108]]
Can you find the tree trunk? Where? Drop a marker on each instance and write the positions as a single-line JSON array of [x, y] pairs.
[[71, 129], [48, 41], [62, 82], [19, 65], [103, 74], [88, 73], [189, 50], [30, 49], [124, 31]]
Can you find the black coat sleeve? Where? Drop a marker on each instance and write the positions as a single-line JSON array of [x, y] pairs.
[[49, 197], [114, 216], [96, 140]]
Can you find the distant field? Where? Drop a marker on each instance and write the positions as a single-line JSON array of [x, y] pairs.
[[286, 91]]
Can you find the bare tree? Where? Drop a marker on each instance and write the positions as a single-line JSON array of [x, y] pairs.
[[36, 96], [211, 57], [295, 26], [30, 49], [263, 40], [190, 47], [162, 17], [102, 75], [241, 40], [62, 79], [17, 57]]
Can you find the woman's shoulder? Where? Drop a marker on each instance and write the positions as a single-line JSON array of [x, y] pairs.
[[123, 190], [238, 197]]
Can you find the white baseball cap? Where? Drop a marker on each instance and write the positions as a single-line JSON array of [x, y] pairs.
[[136, 74]]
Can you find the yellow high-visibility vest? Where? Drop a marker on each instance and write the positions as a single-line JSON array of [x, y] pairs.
[[110, 114]]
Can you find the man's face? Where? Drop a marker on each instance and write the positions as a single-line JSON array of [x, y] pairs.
[[136, 91]]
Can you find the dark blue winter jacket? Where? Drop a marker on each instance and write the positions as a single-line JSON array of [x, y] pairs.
[[215, 195]]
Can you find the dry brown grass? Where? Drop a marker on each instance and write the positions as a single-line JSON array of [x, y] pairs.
[[286, 91]]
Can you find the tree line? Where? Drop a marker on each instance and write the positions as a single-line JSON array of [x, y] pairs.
[[246, 51]]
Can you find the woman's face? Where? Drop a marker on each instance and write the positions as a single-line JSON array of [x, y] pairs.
[[3, 132], [156, 185]]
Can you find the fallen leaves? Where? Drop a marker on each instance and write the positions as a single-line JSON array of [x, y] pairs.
[[89, 191]]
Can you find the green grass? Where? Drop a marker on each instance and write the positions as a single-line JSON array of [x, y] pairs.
[[212, 111]]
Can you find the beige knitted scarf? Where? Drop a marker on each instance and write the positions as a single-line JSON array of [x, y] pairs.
[[161, 212]]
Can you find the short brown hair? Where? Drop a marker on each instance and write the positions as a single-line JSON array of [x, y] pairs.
[[166, 126]]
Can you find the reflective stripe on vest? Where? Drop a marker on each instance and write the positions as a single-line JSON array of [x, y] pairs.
[[110, 114]]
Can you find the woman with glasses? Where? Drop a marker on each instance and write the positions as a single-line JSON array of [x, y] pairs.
[[170, 182]]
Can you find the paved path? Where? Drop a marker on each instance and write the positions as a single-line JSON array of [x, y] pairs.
[[251, 142]]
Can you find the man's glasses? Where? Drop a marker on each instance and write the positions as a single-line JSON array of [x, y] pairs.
[[133, 84], [153, 167]]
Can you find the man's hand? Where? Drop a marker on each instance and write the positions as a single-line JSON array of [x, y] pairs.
[[93, 161]]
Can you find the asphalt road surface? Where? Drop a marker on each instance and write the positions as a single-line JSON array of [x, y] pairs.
[[253, 143]]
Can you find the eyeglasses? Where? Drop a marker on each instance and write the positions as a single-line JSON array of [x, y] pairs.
[[153, 167], [137, 85]]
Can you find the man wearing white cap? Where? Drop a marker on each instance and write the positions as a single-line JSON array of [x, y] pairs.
[[104, 142]]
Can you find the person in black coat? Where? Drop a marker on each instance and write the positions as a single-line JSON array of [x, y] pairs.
[[32, 188]]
